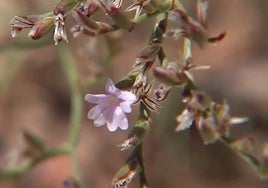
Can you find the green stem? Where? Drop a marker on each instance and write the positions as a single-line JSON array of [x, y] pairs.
[[76, 169], [6, 174], [76, 109], [76, 96], [143, 180]]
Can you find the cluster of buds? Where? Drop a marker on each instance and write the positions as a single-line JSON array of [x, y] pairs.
[[38, 24], [191, 28], [212, 120], [86, 25], [177, 73]]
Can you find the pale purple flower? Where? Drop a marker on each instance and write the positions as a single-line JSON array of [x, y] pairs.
[[110, 108]]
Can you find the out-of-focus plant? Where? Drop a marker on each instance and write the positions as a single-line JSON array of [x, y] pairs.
[[149, 82]]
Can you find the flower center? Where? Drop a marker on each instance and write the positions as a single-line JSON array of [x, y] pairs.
[[112, 101]]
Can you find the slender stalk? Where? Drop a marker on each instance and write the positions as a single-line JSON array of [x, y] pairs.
[[76, 169], [76, 110], [6, 174], [143, 180]]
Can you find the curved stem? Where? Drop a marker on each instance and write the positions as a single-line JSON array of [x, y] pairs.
[[76, 110], [6, 174]]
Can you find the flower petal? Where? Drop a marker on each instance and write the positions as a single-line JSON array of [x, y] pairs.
[[94, 113], [124, 122], [99, 121], [111, 127], [111, 89], [119, 120], [108, 113], [127, 96], [95, 98], [126, 106]]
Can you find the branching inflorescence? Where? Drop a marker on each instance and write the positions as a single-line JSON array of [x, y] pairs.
[[212, 120]]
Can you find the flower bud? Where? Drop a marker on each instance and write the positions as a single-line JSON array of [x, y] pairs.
[[168, 76], [147, 55], [21, 22], [39, 24], [87, 26], [41, 27]]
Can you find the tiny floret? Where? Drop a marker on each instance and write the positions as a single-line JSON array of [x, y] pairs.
[[111, 107], [59, 32]]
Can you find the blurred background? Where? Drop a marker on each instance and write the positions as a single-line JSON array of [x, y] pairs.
[[35, 96]]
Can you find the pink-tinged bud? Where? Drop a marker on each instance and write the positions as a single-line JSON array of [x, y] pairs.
[[168, 76], [83, 20], [148, 54], [41, 27], [193, 29], [59, 32], [21, 22], [87, 26], [39, 24]]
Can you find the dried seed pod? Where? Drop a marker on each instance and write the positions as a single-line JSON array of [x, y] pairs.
[[126, 174]]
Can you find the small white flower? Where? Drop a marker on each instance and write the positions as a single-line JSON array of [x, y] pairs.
[[59, 32], [111, 107]]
